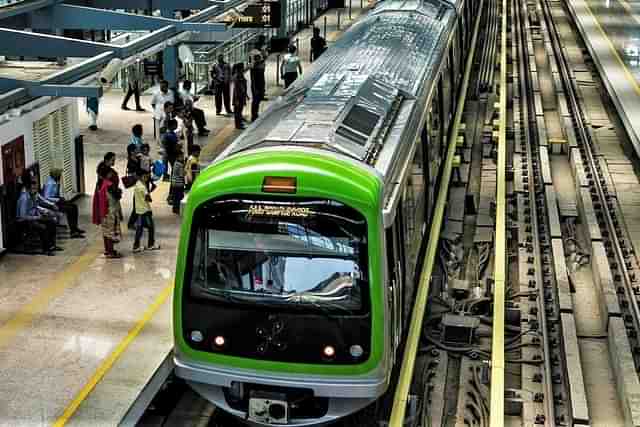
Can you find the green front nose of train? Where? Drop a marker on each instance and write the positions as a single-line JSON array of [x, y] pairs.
[[279, 268]]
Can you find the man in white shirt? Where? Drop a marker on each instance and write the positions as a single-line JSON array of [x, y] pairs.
[[290, 67], [160, 98], [198, 115]]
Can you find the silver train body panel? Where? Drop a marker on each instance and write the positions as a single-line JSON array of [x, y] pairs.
[[366, 98]]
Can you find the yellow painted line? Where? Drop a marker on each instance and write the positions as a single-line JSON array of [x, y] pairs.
[[42, 299], [496, 406], [417, 315], [107, 363], [218, 139], [630, 77]]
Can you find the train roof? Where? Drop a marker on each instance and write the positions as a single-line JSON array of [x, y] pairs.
[[358, 96]]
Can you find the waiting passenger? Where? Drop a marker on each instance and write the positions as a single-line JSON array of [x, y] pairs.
[[93, 109], [160, 99], [318, 44], [107, 211], [221, 84], [133, 166], [109, 162], [136, 136], [145, 158], [196, 113], [239, 93], [177, 180], [145, 215], [192, 167], [28, 215], [169, 143], [290, 66], [258, 83], [52, 194]]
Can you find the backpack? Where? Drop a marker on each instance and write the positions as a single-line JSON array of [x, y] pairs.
[[157, 169]]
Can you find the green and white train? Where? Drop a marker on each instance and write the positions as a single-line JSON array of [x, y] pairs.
[[300, 244]]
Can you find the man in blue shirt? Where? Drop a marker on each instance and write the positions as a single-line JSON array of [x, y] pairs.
[[52, 194], [169, 142], [28, 215]]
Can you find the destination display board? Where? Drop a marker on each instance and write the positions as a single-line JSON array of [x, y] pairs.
[[263, 14]]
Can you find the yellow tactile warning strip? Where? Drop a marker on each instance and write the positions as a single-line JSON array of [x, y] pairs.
[[209, 150], [107, 363], [61, 281], [630, 77]]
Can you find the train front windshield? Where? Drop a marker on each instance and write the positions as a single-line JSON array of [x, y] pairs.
[[309, 255]]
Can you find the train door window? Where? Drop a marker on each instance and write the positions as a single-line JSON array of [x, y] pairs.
[[435, 124], [416, 186], [447, 92], [453, 72], [394, 268], [424, 138], [462, 36]]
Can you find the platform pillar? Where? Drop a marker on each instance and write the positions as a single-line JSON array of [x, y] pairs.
[[282, 30], [170, 66]]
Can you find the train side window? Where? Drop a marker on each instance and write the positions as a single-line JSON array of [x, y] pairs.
[[395, 274], [447, 93], [435, 124], [453, 73], [417, 187]]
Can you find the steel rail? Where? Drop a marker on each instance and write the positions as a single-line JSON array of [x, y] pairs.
[[496, 411], [576, 107], [531, 137], [415, 329]]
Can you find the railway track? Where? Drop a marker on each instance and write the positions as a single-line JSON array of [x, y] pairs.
[[560, 132], [543, 260]]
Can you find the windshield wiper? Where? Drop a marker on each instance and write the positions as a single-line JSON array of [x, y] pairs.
[[229, 296]]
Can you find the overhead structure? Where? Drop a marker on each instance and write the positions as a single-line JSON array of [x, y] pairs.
[[46, 21]]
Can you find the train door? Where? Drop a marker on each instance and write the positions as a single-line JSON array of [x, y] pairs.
[[395, 268]]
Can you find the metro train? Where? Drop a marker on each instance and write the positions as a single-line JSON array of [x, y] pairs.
[[300, 243]]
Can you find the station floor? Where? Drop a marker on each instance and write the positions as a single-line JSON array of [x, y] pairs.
[[80, 335]]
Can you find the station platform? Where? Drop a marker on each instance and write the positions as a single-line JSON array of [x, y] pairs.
[[611, 33], [82, 336]]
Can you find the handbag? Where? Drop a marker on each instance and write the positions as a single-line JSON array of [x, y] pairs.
[[129, 181]]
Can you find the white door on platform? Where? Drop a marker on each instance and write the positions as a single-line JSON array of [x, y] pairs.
[[53, 146]]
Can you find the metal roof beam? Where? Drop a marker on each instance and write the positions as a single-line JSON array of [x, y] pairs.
[[86, 68], [150, 4], [24, 43], [64, 16], [68, 91], [25, 7], [38, 89]]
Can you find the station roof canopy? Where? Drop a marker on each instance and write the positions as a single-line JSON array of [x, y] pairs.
[[36, 28]]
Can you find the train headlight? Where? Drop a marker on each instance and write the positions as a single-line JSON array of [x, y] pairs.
[[356, 351], [196, 336], [219, 341], [329, 352]]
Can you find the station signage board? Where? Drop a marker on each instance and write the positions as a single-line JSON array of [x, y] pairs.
[[262, 14]]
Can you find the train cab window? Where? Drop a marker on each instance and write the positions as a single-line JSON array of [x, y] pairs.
[[303, 255]]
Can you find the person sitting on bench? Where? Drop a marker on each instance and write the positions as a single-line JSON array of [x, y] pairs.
[[51, 193], [28, 215]]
